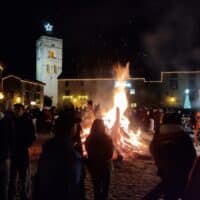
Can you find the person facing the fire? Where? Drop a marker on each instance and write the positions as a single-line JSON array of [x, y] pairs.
[[60, 166], [174, 154], [99, 147], [192, 191], [88, 115]]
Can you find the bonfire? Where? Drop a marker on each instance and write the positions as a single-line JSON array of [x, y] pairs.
[[127, 142]]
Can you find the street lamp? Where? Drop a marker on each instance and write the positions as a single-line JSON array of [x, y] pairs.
[[18, 100], [171, 100], [33, 103], [1, 96], [187, 91]]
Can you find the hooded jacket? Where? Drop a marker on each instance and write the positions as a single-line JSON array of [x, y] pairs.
[[173, 151]]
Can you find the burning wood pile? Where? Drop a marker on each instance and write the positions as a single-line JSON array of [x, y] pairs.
[[127, 142]]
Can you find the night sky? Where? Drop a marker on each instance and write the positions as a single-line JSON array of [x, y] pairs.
[[152, 35]]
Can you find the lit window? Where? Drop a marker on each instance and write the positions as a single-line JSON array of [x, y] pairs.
[[132, 91], [133, 105], [51, 54], [55, 69], [48, 68]]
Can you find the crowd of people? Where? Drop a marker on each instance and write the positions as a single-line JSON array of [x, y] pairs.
[[61, 166], [17, 135]]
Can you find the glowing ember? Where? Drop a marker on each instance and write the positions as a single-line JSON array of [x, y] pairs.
[[126, 142]]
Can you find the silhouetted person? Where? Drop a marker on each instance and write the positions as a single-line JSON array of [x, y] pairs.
[[88, 115], [60, 166], [99, 147], [157, 118], [174, 154], [78, 147], [196, 128], [6, 136], [48, 120], [192, 191], [24, 135]]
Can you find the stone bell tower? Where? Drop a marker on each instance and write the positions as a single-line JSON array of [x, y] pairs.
[[49, 64]]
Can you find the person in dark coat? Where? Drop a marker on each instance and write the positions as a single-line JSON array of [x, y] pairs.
[[6, 134], [157, 118], [99, 147], [192, 191], [79, 148], [174, 154], [24, 136], [60, 166]]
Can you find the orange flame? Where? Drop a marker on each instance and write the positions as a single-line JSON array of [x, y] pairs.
[[125, 140]]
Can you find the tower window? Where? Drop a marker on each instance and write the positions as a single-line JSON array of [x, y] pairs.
[[55, 69], [48, 68], [51, 54]]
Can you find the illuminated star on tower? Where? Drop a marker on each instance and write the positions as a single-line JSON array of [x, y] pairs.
[[48, 27]]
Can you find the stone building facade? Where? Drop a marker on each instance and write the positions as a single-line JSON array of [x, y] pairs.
[[169, 91], [18, 90]]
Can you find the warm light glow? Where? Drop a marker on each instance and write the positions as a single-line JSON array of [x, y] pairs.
[[133, 105], [81, 97], [51, 54], [18, 99], [1, 95], [123, 84], [33, 103], [74, 100], [172, 99], [132, 91], [67, 97]]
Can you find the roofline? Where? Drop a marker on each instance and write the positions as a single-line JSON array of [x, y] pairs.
[[23, 80], [48, 37], [133, 78], [95, 79]]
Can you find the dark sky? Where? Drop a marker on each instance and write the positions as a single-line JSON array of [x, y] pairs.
[[152, 35]]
